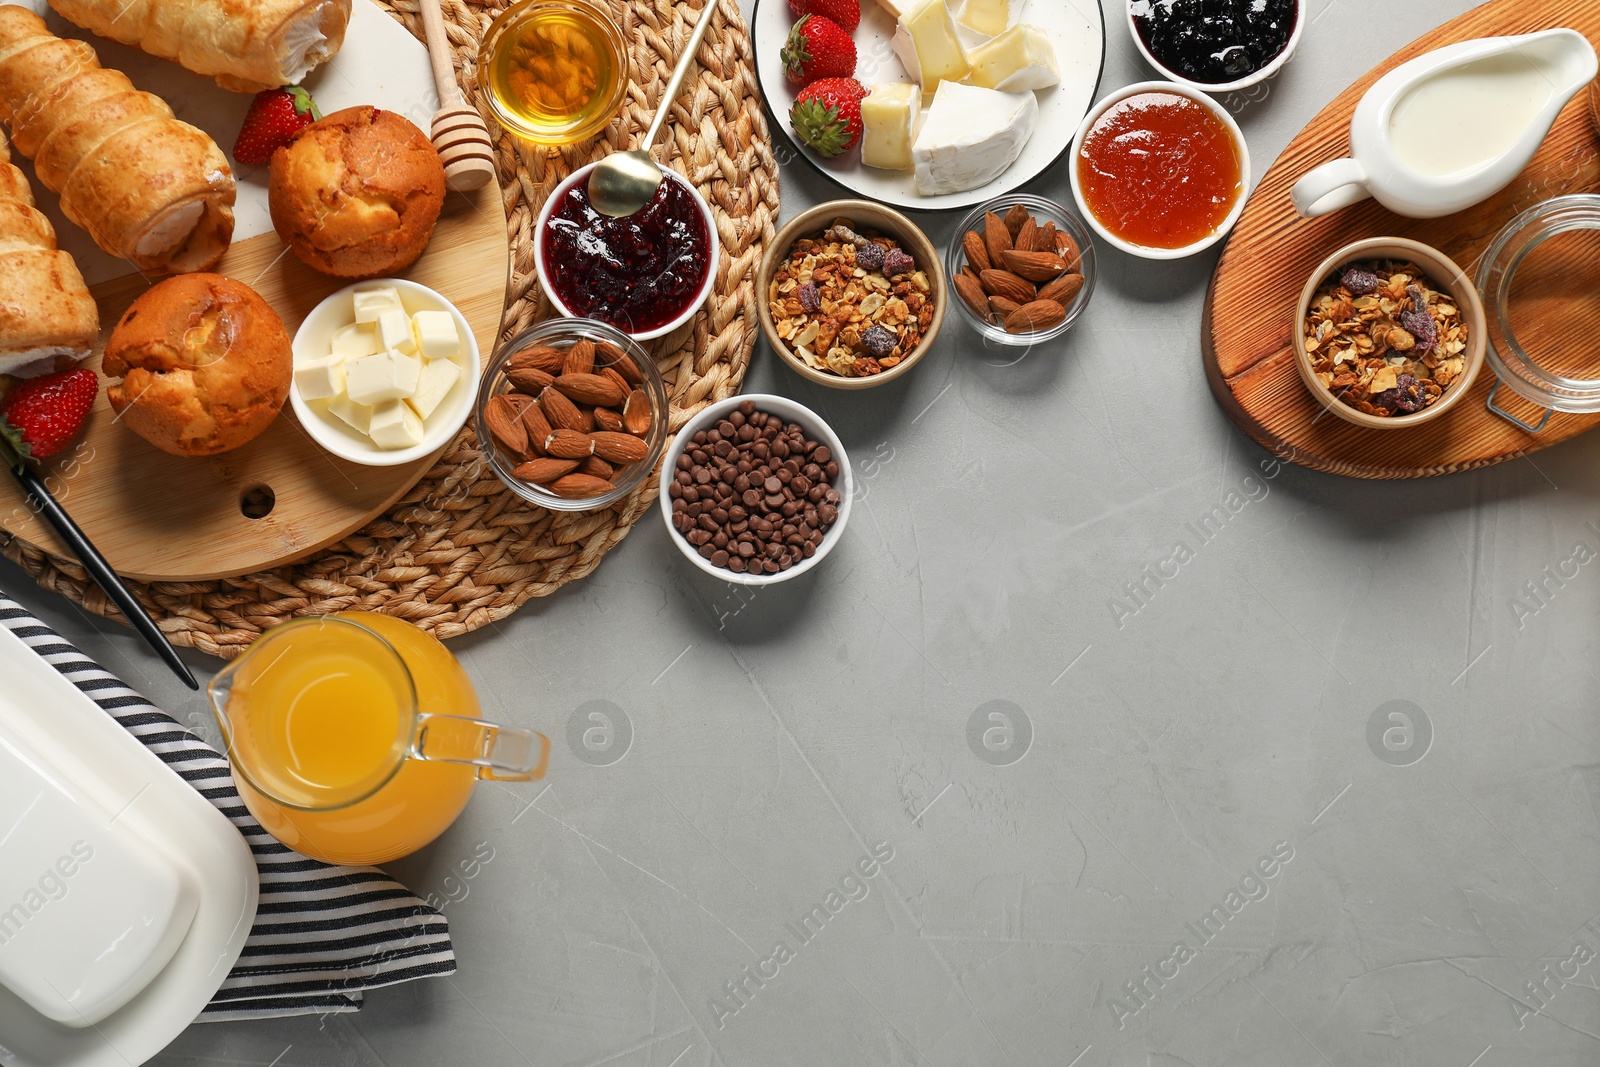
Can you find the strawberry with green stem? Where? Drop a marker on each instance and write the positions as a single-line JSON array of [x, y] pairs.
[[847, 13], [40, 416], [817, 48], [275, 118], [827, 115]]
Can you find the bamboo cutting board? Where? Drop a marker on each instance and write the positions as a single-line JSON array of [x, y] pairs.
[[1246, 340], [157, 517]]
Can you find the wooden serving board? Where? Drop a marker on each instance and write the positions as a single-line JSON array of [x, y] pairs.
[[157, 517], [1246, 340]]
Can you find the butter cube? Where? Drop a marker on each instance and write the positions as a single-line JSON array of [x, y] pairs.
[[386, 376], [1019, 60], [988, 17], [890, 116], [357, 416], [394, 331], [395, 425], [436, 334], [438, 375], [372, 301], [355, 340], [927, 45], [320, 379]]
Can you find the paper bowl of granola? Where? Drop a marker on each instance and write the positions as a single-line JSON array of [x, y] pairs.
[[1389, 333], [851, 294]]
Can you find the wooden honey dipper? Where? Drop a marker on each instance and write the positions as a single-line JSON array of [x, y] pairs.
[[459, 132]]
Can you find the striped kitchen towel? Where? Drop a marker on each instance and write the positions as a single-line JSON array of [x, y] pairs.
[[323, 934]]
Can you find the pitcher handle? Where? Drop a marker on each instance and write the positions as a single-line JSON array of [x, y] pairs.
[[501, 753], [1330, 187]]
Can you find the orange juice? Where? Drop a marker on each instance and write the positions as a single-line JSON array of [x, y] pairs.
[[321, 723]]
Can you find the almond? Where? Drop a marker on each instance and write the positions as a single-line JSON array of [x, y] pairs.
[[1004, 283], [973, 296], [584, 388], [544, 470], [1067, 249], [569, 444], [611, 356], [996, 238], [501, 415], [1045, 239], [537, 425], [595, 467], [1064, 290], [562, 413], [579, 486], [607, 419], [1035, 266], [619, 447], [977, 254], [1002, 306], [528, 379], [542, 357], [610, 374], [1015, 218], [1026, 235], [1039, 315], [636, 416], [579, 358]]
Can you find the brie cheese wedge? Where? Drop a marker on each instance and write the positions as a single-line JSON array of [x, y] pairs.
[[970, 136], [990, 18], [1018, 61], [926, 42], [889, 117]]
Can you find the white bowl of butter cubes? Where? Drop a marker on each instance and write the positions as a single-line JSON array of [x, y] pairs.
[[385, 372]]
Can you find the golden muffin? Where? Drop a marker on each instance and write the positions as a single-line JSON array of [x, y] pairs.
[[357, 193], [205, 365]]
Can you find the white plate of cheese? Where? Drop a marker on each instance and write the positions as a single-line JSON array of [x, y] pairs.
[[977, 128]]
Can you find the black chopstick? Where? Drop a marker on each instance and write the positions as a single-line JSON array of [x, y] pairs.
[[101, 572]]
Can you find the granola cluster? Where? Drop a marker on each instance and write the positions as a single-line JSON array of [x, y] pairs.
[[853, 304], [1383, 340]]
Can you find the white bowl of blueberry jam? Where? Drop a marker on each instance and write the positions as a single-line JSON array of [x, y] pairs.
[[646, 274]]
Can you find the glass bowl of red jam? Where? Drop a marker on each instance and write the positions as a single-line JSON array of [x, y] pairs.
[[1216, 46], [1160, 170], [614, 350], [645, 274]]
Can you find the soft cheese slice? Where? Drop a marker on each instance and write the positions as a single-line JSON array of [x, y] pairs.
[[889, 115], [970, 136], [896, 8], [927, 45], [990, 17], [1020, 60]]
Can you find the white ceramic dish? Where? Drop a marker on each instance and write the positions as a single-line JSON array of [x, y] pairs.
[[582, 175], [313, 340], [1272, 68], [380, 63], [46, 713], [1145, 251], [1076, 29], [789, 411]]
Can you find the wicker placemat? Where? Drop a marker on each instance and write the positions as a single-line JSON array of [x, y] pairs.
[[460, 551]]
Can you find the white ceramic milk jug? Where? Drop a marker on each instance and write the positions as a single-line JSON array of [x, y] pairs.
[[1453, 127]]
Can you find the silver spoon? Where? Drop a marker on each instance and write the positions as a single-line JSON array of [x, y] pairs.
[[623, 182]]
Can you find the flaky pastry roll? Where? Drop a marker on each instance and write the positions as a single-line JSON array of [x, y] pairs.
[[48, 320], [147, 187], [246, 46]]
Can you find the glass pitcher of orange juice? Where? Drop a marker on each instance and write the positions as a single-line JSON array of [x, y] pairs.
[[357, 738]]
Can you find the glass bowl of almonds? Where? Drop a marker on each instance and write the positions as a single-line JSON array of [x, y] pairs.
[[572, 415], [1021, 269], [1389, 333]]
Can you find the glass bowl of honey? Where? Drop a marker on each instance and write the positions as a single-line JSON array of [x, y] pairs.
[[554, 71]]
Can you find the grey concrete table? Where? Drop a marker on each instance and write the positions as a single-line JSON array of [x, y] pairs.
[[1328, 794]]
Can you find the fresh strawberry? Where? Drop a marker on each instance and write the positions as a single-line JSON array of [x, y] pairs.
[[41, 416], [817, 48], [827, 115], [274, 118], [847, 13]]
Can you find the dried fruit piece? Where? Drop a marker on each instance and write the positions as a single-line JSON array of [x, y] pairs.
[[1035, 266], [569, 444], [580, 486], [1004, 283], [636, 415], [871, 256], [879, 341], [562, 412], [1064, 290], [1406, 397], [973, 296], [996, 238], [584, 388], [1360, 282], [503, 417], [579, 358], [977, 254], [1039, 315], [810, 297], [619, 447], [544, 470], [897, 262], [1418, 322]]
